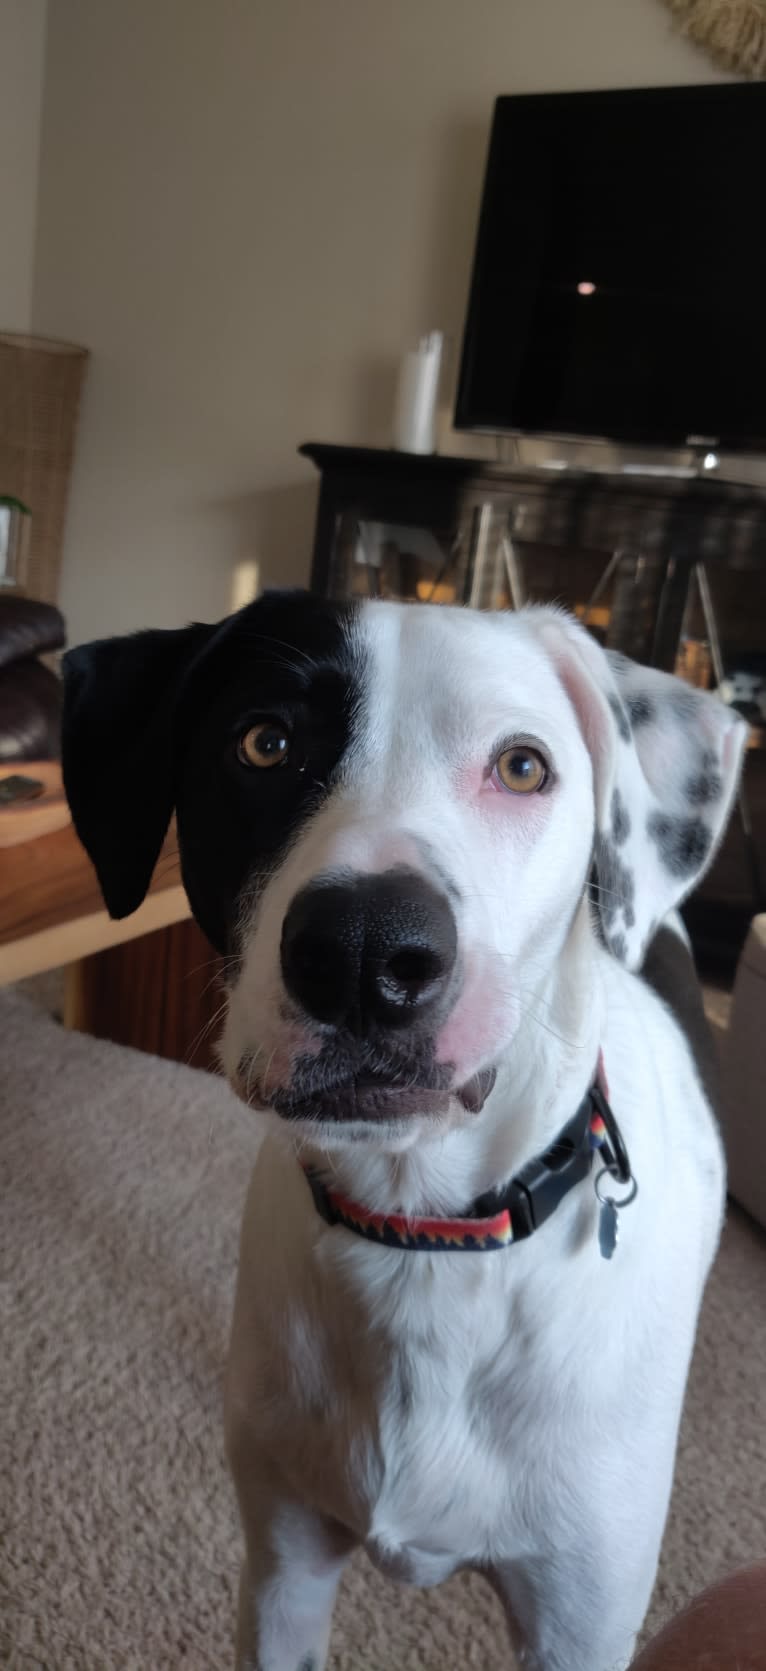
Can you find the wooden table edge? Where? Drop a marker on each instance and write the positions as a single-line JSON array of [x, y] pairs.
[[67, 942]]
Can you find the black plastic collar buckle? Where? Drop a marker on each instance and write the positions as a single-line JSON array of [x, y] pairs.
[[538, 1188]]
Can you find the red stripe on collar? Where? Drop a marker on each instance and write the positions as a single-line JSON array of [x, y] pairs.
[[396, 1230]]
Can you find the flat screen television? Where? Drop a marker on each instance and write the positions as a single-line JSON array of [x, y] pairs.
[[619, 280]]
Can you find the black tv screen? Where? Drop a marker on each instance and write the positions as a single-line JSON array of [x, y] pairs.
[[619, 281]]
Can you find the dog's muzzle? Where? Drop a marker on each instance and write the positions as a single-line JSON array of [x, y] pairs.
[[373, 959]]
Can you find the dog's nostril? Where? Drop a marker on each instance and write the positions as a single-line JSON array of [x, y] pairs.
[[410, 972]]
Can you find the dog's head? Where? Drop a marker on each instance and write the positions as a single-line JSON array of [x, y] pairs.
[[390, 817]]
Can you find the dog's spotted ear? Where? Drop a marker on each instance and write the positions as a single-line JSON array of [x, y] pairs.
[[666, 761], [120, 696]]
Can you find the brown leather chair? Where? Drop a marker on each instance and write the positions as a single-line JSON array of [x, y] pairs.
[[30, 694]]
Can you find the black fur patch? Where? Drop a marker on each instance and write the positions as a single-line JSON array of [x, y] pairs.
[[616, 885], [683, 843], [290, 655], [642, 710], [620, 819], [352, 1078], [686, 706], [619, 945], [703, 787], [152, 722], [621, 718]]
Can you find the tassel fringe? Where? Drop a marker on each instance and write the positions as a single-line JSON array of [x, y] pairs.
[[732, 31]]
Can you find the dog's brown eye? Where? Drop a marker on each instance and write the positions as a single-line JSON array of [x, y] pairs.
[[265, 744], [522, 770]]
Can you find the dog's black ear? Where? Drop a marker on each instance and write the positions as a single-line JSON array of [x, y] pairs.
[[120, 696]]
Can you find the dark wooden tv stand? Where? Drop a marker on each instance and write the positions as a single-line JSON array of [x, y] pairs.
[[670, 569], [471, 507]]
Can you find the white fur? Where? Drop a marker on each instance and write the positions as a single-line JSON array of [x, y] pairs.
[[515, 1410]]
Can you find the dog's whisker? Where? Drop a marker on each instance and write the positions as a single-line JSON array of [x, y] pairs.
[[251, 1067], [214, 980], [292, 649], [529, 1015], [205, 1030], [267, 1070], [598, 890], [208, 963]]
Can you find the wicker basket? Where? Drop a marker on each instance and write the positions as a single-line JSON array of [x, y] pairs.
[[40, 385]]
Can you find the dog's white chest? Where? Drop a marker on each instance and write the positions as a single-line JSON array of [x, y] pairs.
[[444, 1491], [458, 1425]]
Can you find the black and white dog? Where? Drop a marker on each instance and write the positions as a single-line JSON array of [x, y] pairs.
[[435, 846]]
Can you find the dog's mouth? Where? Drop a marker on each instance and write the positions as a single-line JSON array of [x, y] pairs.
[[373, 1097]]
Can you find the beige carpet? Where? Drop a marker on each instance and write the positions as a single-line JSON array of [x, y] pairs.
[[122, 1182]]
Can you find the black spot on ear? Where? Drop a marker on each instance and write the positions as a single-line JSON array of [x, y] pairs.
[[703, 787], [684, 843], [620, 819], [641, 709], [686, 706], [619, 945], [621, 718], [615, 887]]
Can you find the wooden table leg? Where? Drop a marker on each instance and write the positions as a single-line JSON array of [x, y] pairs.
[[162, 993]]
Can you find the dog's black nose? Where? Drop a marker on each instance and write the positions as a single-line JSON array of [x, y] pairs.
[[376, 951]]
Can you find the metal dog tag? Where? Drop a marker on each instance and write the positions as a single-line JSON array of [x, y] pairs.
[[608, 1228], [608, 1218]]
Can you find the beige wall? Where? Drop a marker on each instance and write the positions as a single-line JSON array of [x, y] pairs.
[[22, 42], [247, 209]]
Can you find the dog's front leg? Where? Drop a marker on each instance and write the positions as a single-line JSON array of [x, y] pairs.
[[574, 1612], [287, 1588]]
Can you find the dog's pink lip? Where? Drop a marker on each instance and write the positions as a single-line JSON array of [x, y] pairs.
[[474, 1093]]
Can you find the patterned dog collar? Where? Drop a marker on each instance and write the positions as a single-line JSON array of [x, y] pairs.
[[500, 1217]]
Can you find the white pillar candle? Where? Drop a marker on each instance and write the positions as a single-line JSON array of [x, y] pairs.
[[415, 412]]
